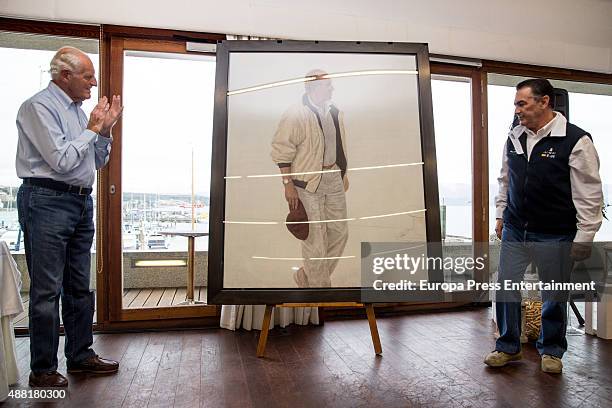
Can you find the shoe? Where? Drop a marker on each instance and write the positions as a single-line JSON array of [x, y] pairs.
[[300, 278], [94, 365], [500, 359], [51, 379], [551, 364]]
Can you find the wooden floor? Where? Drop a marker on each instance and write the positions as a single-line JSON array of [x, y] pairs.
[[132, 299], [429, 360]]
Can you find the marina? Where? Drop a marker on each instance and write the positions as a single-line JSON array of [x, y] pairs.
[[144, 217]]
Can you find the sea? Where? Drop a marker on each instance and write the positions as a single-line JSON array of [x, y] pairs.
[[458, 226]]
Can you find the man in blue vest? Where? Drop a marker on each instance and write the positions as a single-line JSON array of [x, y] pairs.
[[548, 210]]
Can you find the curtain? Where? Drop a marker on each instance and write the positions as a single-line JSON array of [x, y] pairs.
[[251, 316]]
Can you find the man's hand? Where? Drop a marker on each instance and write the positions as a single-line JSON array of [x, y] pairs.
[[291, 195], [112, 115], [346, 183], [98, 115], [499, 225], [580, 251]]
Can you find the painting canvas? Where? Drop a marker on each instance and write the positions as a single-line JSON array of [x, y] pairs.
[[317, 148]]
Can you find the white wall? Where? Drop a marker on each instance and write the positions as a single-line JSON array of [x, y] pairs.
[[564, 33]]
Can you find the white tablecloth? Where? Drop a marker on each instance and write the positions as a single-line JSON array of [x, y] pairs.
[[10, 306]]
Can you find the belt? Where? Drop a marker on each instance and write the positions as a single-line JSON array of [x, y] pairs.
[[57, 185]]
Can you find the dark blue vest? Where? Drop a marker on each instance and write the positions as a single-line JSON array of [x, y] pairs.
[[539, 190]]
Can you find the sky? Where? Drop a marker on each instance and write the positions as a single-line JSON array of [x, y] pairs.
[[168, 112]]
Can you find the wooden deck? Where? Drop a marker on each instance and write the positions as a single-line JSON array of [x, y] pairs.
[[428, 360], [132, 299], [159, 297]]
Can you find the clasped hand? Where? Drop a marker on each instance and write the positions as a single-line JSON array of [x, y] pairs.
[[104, 115]]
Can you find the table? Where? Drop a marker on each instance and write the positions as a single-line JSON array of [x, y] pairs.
[[191, 236]]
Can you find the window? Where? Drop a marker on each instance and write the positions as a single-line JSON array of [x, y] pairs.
[[455, 98], [166, 145], [25, 71], [452, 104], [589, 108]]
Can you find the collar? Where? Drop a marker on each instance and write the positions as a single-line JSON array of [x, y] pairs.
[[556, 127], [323, 111], [61, 96]]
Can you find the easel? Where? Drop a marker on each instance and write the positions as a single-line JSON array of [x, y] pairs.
[[369, 308]]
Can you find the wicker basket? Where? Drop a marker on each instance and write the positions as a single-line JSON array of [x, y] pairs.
[[533, 318]]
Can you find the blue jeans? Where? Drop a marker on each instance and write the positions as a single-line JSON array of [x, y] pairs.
[[58, 233], [551, 255]]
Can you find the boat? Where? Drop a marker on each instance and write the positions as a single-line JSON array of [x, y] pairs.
[[157, 241]]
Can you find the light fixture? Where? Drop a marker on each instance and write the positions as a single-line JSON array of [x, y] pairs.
[[271, 258], [148, 263], [325, 76]]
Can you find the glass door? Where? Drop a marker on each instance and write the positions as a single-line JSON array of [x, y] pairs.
[[161, 180]]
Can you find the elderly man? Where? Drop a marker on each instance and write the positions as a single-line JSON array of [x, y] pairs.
[[309, 149], [58, 152], [548, 211]]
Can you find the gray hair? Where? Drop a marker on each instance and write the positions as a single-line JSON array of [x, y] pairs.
[[66, 59], [310, 85]]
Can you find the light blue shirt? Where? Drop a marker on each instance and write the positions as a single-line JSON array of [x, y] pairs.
[[54, 142]]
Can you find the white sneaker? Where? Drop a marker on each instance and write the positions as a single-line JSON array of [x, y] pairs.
[[551, 364], [500, 358]]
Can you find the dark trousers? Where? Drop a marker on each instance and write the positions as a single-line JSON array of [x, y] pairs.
[[58, 233], [551, 255]]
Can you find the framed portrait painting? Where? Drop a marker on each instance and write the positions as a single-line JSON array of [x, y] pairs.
[[318, 147]]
